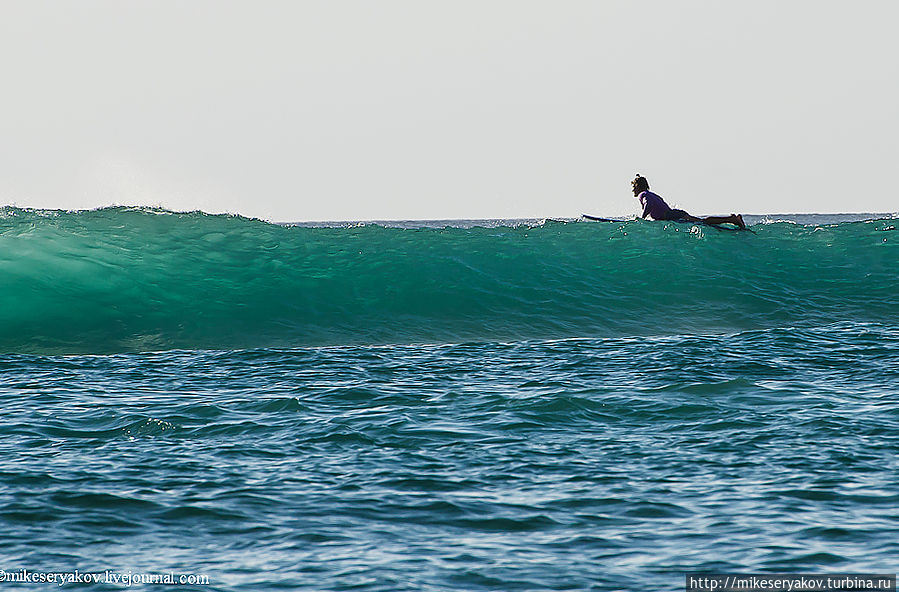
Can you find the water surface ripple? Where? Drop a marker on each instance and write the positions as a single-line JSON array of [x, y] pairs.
[[574, 464]]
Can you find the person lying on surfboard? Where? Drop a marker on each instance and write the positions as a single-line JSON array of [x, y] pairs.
[[654, 207]]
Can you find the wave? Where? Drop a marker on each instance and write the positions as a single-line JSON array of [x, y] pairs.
[[137, 279]]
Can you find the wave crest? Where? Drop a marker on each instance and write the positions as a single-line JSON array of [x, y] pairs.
[[138, 279]]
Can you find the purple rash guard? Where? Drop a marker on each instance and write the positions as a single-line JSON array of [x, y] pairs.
[[656, 208]]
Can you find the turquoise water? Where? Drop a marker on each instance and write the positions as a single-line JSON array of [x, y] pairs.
[[533, 406], [129, 280]]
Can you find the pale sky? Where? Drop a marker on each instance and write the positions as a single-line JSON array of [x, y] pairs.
[[412, 109]]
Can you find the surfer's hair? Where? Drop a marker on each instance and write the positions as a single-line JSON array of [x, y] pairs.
[[640, 183]]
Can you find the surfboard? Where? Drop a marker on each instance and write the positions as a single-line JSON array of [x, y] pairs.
[[716, 226], [598, 219]]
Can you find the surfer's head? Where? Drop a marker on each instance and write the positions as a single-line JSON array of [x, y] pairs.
[[640, 184]]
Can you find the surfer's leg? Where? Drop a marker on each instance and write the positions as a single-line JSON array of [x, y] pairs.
[[735, 219], [684, 216]]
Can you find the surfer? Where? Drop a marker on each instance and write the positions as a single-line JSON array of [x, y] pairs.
[[654, 207]]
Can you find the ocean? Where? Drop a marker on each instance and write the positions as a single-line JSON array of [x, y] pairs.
[[462, 405]]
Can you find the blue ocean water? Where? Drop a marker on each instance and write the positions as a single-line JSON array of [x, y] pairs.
[[519, 405]]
